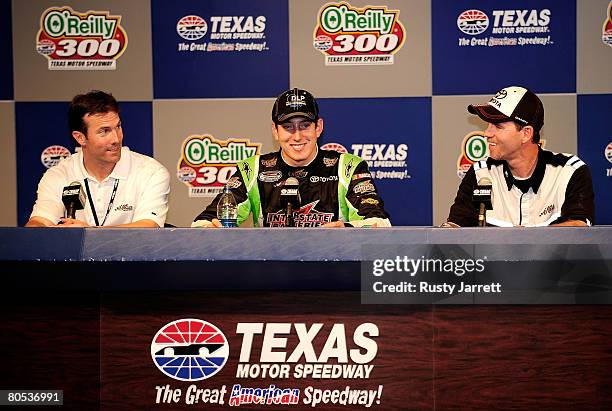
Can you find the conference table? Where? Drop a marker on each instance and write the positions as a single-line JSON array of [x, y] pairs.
[[292, 311]]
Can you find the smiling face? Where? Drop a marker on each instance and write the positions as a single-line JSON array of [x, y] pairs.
[[505, 139], [102, 142], [297, 138]]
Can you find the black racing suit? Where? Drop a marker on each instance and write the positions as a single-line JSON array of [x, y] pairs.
[[332, 187]]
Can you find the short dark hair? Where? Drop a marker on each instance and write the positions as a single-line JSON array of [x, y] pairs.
[[536, 133], [94, 102]]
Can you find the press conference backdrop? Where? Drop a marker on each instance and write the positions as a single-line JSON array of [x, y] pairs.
[[197, 80]]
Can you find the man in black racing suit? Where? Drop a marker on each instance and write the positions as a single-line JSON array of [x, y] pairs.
[[335, 189]]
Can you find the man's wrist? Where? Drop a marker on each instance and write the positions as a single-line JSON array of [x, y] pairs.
[[449, 224]]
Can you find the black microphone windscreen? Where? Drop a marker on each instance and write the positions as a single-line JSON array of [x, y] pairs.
[[73, 196], [290, 192], [483, 193]]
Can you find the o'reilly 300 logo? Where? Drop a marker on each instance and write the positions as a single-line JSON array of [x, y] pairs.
[[80, 41], [606, 30], [348, 35], [528, 27], [207, 164], [473, 149]]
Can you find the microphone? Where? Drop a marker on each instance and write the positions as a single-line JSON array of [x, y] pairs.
[[290, 198], [482, 197], [73, 198]]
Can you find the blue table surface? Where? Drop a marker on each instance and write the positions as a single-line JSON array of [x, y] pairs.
[[268, 244]]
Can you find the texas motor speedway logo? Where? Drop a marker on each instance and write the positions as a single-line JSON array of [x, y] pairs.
[[225, 34], [385, 161], [529, 27], [272, 358], [80, 41], [608, 155], [348, 35], [52, 155], [189, 350]]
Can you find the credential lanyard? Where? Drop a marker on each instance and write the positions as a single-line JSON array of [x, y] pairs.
[[110, 204]]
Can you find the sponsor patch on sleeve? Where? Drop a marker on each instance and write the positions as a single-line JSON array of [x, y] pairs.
[[364, 187], [361, 175], [371, 201], [234, 182]]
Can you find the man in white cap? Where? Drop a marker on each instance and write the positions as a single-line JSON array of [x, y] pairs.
[[529, 186]]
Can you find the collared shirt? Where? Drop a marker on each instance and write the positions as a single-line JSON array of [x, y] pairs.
[[560, 189], [143, 185]]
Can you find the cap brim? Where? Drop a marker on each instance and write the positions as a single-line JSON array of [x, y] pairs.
[[285, 117], [488, 113]]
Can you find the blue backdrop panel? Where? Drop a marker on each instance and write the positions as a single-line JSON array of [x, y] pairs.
[[203, 73], [137, 122], [388, 132], [41, 125], [595, 148], [6, 55], [463, 66]]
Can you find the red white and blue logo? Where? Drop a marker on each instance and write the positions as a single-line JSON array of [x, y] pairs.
[[608, 152], [191, 27], [473, 22], [189, 349]]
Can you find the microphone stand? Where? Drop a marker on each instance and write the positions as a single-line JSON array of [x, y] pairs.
[[290, 222], [481, 215], [71, 211]]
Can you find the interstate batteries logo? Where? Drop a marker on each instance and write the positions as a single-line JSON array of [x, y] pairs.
[[306, 216], [505, 28], [225, 34], [606, 31], [189, 350], [80, 41], [347, 35], [385, 161], [207, 164]]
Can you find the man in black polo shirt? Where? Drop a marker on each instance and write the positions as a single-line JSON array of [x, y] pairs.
[[530, 186]]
